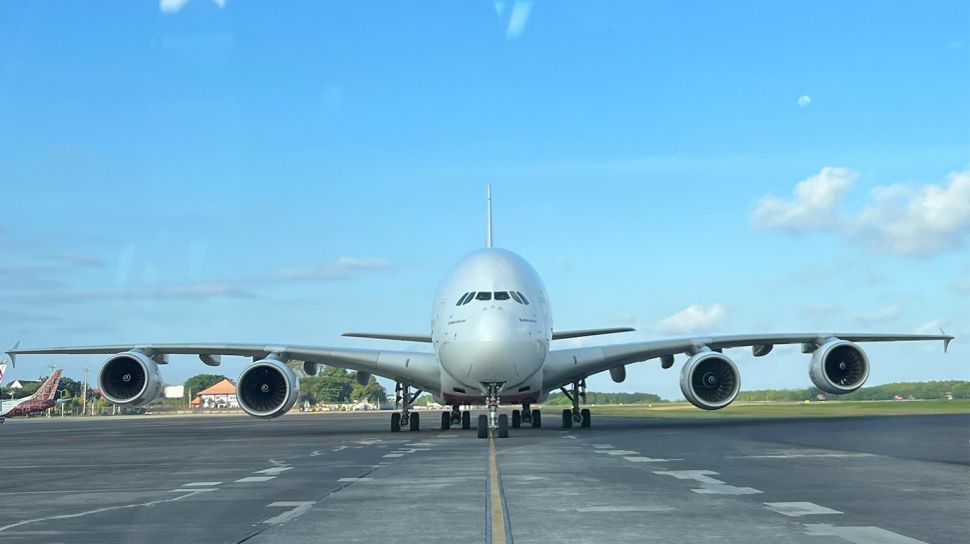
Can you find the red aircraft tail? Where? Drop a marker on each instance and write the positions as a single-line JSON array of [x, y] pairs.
[[48, 391]]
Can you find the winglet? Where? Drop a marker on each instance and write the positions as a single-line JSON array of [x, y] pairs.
[[946, 340], [488, 237], [10, 353]]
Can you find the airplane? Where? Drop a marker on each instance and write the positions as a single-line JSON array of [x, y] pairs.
[[41, 400], [492, 341]]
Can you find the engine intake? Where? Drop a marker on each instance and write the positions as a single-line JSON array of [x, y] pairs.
[[839, 367], [131, 378], [710, 381], [268, 388]]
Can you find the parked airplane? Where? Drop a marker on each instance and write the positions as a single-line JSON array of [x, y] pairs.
[[493, 341], [41, 400]]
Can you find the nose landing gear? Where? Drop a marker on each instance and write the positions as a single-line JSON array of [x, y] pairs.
[[494, 422]]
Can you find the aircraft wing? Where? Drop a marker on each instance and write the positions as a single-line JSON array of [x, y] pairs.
[[565, 366], [417, 368]]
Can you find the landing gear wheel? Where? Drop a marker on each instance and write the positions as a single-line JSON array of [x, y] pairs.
[[503, 426], [587, 418], [516, 419], [482, 426], [445, 421], [567, 419], [466, 420], [415, 422], [396, 422], [536, 419]]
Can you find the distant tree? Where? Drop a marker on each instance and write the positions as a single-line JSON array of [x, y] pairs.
[[200, 382], [332, 385], [373, 391]]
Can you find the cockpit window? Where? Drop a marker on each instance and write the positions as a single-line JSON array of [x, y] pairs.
[[515, 297], [461, 300], [484, 295], [525, 300], [501, 295]]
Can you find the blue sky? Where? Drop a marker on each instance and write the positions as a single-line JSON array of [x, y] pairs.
[[243, 171]]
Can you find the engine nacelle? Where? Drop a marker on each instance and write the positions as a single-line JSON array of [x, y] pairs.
[[130, 377], [267, 388], [618, 374], [709, 380], [839, 367]]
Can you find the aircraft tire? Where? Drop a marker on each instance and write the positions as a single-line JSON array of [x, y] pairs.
[[482, 426], [503, 426], [415, 422], [587, 418], [536, 419], [466, 420], [445, 421], [567, 419], [396, 422], [516, 419]]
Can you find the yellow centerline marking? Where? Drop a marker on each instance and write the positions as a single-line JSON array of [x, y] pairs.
[[495, 498]]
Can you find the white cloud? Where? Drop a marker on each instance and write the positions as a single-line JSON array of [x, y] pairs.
[[694, 318], [518, 17], [174, 6], [338, 270], [804, 100], [902, 219], [883, 315], [918, 221], [814, 205], [933, 327]]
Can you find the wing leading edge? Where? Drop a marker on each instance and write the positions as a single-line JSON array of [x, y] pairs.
[[418, 368], [568, 365]]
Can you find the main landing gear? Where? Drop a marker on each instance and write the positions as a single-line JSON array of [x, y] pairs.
[[405, 399], [526, 417], [456, 417], [582, 417]]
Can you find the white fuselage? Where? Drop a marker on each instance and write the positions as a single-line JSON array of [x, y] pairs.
[[501, 335]]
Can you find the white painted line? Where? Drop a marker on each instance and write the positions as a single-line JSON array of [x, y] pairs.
[[625, 509], [648, 460], [419, 445], [367, 442], [193, 490], [201, 484], [798, 509], [394, 455], [275, 471], [339, 448], [249, 479], [569, 436], [860, 535], [603, 446], [355, 479], [618, 452], [709, 486], [297, 508], [803, 455]]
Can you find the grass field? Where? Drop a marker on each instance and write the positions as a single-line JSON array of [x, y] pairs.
[[789, 409]]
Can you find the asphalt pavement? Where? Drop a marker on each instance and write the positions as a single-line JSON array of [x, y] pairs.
[[346, 478]]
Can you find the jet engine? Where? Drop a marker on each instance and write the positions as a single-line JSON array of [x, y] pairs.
[[130, 377], [267, 388], [838, 367], [709, 380]]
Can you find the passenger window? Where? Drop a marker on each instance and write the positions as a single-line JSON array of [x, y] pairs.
[[484, 295], [515, 297], [525, 300], [501, 295]]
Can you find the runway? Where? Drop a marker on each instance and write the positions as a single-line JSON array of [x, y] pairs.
[[345, 478]]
